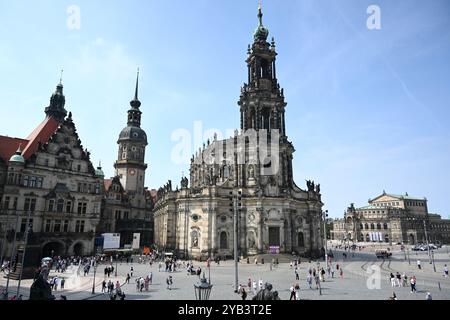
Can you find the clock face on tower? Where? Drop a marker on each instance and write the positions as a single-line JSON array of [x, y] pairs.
[[132, 172]]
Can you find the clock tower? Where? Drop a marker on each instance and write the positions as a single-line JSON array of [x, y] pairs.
[[130, 165]]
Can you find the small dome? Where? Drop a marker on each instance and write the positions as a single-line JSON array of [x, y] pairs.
[[99, 172], [261, 33], [133, 133], [17, 157]]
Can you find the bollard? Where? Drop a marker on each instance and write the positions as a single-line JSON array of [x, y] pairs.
[[439, 284]]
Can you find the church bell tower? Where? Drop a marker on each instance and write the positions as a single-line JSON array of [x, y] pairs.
[[130, 165]]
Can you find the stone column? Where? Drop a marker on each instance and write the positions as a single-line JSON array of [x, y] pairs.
[[213, 217]]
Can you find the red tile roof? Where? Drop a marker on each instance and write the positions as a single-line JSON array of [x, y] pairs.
[[8, 145], [41, 134], [107, 183]]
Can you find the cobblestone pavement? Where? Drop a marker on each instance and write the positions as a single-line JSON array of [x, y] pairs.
[[353, 285]]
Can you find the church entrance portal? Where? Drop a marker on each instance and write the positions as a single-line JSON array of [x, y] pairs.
[[274, 236]]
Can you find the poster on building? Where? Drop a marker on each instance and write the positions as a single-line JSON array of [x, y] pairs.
[[136, 241], [274, 249], [111, 240]]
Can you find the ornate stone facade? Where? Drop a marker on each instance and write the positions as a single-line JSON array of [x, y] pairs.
[[50, 180], [393, 219], [256, 164]]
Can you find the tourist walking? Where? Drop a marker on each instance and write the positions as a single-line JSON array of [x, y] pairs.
[[169, 282], [419, 264], [413, 284], [243, 294], [392, 277], [309, 280], [261, 284], [292, 289], [445, 271]]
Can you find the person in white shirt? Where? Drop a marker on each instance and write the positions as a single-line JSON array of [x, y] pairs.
[[254, 287]]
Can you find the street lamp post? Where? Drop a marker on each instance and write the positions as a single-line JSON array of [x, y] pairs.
[[409, 260], [325, 216], [235, 199], [95, 271], [117, 258], [432, 257], [28, 229], [426, 238]]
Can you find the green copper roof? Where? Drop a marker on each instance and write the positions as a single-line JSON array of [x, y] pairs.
[[17, 158], [99, 172], [261, 32]]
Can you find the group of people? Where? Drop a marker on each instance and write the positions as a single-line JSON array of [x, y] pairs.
[[55, 281], [108, 271], [143, 284]]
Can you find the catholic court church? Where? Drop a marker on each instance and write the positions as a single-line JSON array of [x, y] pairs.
[[248, 176]]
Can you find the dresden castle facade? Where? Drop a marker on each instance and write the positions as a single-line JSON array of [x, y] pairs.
[[249, 176]]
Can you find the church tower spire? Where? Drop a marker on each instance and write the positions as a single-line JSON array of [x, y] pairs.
[[134, 114], [57, 102], [262, 101], [130, 165]]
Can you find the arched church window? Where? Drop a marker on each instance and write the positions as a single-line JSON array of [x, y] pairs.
[[300, 239], [223, 240]]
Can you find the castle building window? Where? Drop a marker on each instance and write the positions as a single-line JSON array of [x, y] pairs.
[[82, 208], [66, 226], [57, 226], [26, 206], [51, 205], [79, 226], [60, 205], [47, 225], [6, 203], [69, 206], [32, 182]]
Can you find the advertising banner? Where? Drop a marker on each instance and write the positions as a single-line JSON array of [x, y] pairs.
[[136, 241], [111, 240]]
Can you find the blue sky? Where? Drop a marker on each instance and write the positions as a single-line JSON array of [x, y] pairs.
[[368, 110]]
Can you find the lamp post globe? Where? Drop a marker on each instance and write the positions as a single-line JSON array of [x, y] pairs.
[[203, 290]]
